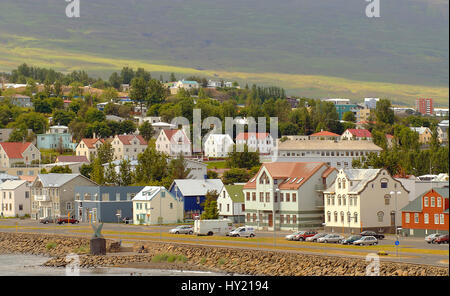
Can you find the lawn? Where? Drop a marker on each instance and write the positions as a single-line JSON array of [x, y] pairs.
[[216, 164]]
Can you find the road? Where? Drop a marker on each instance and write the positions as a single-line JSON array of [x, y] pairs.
[[411, 249]]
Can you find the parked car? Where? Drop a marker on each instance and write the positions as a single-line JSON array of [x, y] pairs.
[[182, 229], [305, 234], [314, 238], [366, 241], [331, 238], [47, 220], [443, 239], [430, 238], [293, 236], [67, 220], [351, 239], [245, 231], [372, 233]]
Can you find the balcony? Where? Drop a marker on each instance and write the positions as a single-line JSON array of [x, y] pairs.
[[42, 198]]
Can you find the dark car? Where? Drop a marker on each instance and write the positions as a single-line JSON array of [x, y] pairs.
[[443, 239], [349, 240], [47, 220], [67, 220], [372, 233]]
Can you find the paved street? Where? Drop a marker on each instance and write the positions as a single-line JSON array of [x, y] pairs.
[[411, 249]]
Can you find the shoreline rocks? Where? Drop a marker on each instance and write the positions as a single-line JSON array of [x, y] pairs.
[[204, 258]]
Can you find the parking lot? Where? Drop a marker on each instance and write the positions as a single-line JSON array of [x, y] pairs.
[[410, 249]]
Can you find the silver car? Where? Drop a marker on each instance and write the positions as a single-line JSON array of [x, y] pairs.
[[366, 241], [182, 229], [430, 238], [331, 238], [316, 237], [293, 236]]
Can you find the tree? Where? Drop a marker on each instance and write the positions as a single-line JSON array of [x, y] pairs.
[[172, 77], [127, 74], [210, 210], [383, 112], [93, 114], [243, 159], [86, 170], [178, 168], [349, 116], [111, 177], [61, 170], [139, 90], [115, 80], [125, 173], [146, 130], [109, 94], [98, 172], [32, 120], [58, 88], [127, 127], [62, 117], [152, 165], [105, 153], [156, 92], [212, 174], [235, 175]]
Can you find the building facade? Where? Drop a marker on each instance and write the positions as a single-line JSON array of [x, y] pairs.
[[356, 134], [15, 198], [14, 154], [217, 145], [128, 146], [173, 142], [361, 199], [58, 137], [287, 195], [231, 204], [425, 106], [88, 148], [262, 142]]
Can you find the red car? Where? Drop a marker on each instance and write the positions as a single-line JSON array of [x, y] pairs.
[[443, 239], [67, 220], [305, 234]]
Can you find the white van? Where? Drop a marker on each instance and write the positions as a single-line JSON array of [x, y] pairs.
[[211, 227], [245, 231]]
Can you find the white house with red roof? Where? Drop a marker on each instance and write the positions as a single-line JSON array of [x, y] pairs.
[[18, 152], [287, 195], [128, 146], [88, 148], [263, 142], [325, 135], [173, 142], [356, 134]]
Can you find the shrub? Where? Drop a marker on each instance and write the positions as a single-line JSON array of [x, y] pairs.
[[221, 261], [50, 245], [203, 261]]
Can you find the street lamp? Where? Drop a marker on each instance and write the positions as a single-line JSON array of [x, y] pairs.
[[395, 217], [277, 190]]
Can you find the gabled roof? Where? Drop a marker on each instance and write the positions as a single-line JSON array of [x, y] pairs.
[[197, 187], [294, 174], [91, 142], [171, 132], [360, 133], [219, 137], [235, 192], [245, 136], [126, 139], [148, 193], [420, 130], [56, 180], [15, 149], [11, 184], [71, 158], [324, 134]]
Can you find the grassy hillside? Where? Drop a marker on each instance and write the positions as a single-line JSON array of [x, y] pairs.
[[312, 48]]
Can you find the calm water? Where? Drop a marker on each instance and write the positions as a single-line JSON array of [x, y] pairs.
[[28, 265]]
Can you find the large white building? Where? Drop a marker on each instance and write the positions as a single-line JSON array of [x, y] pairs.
[[173, 142], [361, 199], [217, 145], [338, 154], [15, 198], [287, 195], [263, 142]]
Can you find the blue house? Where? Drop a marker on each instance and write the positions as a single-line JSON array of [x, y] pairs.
[[193, 193], [104, 203], [57, 137]]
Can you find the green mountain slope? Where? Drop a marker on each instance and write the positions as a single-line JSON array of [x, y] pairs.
[[407, 46]]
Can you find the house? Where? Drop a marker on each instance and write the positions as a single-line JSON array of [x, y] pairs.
[[6, 177], [363, 115], [155, 205], [442, 131], [425, 134], [159, 126], [104, 203], [338, 154], [53, 195], [344, 105], [88, 148], [114, 118], [356, 134], [71, 158], [262, 142], [231, 204], [128, 146], [427, 214], [361, 199], [287, 195], [173, 142], [18, 154], [325, 135], [15, 198], [139, 120], [217, 145], [418, 185], [193, 193], [371, 103], [58, 137], [187, 85], [21, 101]]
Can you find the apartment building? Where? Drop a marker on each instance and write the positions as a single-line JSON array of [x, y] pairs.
[[128, 146]]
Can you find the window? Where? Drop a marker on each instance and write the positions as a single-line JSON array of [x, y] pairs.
[[288, 197], [228, 207], [339, 183], [329, 216], [248, 217], [387, 199], [68, 206], [425, 218], [356, 217], [436, 218], [288, 219], [253, 196], [267, 196], [294, 197], [163, 194], [442, 218], [281, 197], [281, 219], [294, 219], [335, 216], [342, 217], [254, 217], [20, 207], [416, 217], [328, 200], [261, 197], [406, 217], [343, 200], [339, 200], [432, 201], [248, 196], [343, 183], [220, 207], [384, 184], [117, 196], [439, 204], [27, 194]]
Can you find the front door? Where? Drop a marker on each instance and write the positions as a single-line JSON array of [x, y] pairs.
[[270, 220]]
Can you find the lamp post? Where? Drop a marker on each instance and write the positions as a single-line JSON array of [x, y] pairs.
[[395, 217], [277, 190]]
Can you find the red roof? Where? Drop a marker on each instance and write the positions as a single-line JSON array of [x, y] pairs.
[[90, 142], [71, 158], [15, 149], [169, 133], [389, 136], [360, 133], [245, 136], [125, 139], [324, 134]]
